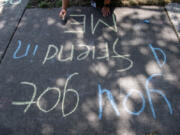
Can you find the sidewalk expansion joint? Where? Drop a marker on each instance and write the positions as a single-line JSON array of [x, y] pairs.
[[172, 24], [4, 53]]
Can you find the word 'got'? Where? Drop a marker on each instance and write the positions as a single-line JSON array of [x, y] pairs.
[[37, 102]]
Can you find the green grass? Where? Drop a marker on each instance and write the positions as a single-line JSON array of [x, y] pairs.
[[44, 3], [153, 133], [58, 3], [145, 2]]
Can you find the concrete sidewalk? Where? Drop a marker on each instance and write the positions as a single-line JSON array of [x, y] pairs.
[[114, 76], [173, 10], [10, 14]]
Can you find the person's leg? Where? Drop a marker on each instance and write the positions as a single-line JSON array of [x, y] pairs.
[[63, 11], [106, 8], [104, 5]]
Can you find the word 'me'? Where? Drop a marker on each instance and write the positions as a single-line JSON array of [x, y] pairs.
[[12, 2], [37, 102], [93, 26]]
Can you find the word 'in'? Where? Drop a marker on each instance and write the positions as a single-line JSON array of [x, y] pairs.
[[89, 51]]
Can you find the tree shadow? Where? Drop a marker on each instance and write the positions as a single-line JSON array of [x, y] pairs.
[[10, 14], [42, 27]]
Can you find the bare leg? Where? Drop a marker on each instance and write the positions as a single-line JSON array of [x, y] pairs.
[[106, 10], [63, 11]]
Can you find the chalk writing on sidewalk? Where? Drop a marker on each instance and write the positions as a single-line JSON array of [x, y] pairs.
[[147, 87], [84, 52], [11, 2], [89, 51], [93, 26], [148, 92], [29, 103]]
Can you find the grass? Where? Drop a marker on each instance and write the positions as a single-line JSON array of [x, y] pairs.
[[153, 133], [58, 3], [145, 2], [44, 4]]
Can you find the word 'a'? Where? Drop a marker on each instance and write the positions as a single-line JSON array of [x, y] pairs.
[[149, 91], [37, 102]]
